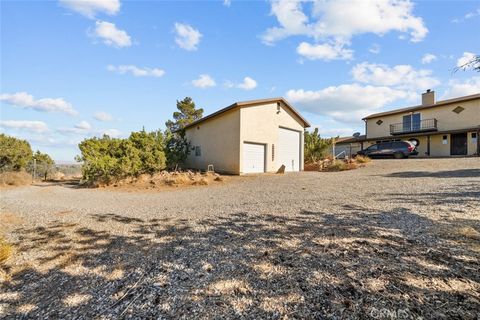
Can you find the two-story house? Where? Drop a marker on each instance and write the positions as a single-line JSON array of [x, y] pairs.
[[438, 128]]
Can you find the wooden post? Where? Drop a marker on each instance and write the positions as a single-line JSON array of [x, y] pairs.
[[428, 145]]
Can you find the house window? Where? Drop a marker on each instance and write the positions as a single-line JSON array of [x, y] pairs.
[[411, 122], [474, 137], [379, 122], [458, 109], [273, 152], [198, 151]]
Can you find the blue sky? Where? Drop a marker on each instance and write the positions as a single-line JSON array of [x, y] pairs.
[[73, 69]]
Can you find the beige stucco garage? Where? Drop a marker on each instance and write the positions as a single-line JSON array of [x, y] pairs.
[[248, 137]]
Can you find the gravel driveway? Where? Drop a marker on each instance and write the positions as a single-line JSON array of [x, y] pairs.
[[398, 238]]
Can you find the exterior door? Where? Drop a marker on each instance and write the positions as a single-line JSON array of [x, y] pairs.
[[288, 149], [458, 144], [253, 158]]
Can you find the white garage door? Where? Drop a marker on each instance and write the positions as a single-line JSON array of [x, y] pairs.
[[253, 158], [289, 149]]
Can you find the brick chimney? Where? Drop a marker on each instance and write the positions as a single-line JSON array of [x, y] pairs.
[[428, 98]]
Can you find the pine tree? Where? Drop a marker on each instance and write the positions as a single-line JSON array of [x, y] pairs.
[[185, 115], [177, 146]]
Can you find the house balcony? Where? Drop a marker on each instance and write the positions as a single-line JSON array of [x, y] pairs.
[[415, 127]]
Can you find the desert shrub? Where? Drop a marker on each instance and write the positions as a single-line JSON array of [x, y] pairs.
[[15, 178], [362, 159], [109, 159], [316, 148], [340, 165], [5, 250], [14, 153]]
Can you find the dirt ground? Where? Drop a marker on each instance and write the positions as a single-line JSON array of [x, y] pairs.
[[398, 239]]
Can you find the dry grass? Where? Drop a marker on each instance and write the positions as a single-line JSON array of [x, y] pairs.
[[362, 159], [167, 179], [462, 232], [20, 178], [9, 219], [341, 165], [6, 250], [330, 164]]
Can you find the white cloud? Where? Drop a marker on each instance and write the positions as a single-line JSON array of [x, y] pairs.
[[204, 81], [292, 21], [227, 3], [247, 84], [347, 102], [90, 8], [82, 127], [25, 100], [324, 51], [187, 37], [102, 116], [136, 71], [337, 21], [375, 48], [113, 133], [400, 76], [85, 129], [343, 19], [473, 14], [428, 57], [458, 88], [25, 125], [112, 36], [467, 16], [463, 60]]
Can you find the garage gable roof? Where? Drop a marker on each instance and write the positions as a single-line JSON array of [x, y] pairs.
[[251, 103]]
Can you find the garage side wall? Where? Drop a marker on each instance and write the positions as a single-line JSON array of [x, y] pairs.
[[261, 123], [218, 141]]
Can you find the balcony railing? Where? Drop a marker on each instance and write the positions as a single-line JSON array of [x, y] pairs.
[[415, 126]]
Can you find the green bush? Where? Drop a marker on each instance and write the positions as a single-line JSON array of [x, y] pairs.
[[316, 148], [106, 159], [14, 153]]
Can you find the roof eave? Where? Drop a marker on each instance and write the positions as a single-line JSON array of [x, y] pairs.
[[420, 107], [250, 103]]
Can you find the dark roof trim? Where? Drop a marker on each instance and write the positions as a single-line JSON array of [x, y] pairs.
[[251, 103], [350, 139], [421, 107], [421, 134]]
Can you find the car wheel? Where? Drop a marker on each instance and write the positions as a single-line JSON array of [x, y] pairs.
[[398, 155]]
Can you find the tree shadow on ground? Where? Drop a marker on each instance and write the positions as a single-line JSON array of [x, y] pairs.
[[461, 173], [358, 263]]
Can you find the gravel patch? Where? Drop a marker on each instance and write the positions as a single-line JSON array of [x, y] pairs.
[[398, 238]]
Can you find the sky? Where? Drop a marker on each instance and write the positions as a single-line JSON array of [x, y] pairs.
[[73, 69]]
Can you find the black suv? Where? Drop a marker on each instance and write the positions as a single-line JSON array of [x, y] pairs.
[[396, 149]]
